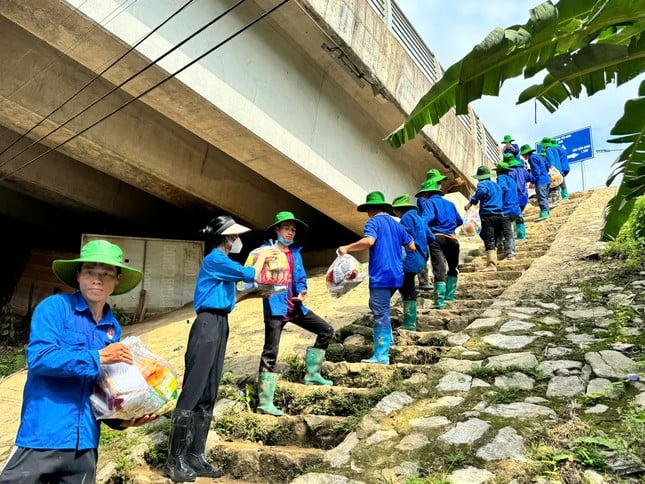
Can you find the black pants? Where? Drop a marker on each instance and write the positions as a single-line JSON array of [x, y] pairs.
[[408, 290], [444, 250], [273, 330], [492, 230], [204, 361], [42, 466]]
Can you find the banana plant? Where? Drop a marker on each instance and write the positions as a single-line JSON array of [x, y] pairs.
[[580, 44]]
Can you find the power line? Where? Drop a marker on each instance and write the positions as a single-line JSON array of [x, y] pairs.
[[123, 83], [154, 86], [121, 57]]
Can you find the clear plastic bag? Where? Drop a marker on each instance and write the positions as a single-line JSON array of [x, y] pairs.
[[344, 274], [274, 278], [124, 391], [555, 176], [472, 223]]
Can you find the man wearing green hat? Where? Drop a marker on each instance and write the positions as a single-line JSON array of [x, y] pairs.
[[414, 260], [511, 147], [564, 164], [541, 180], [489, 197], [71, 336], [289, 307], [384, 237], [433, 176], [522, 177], [442, 218], [550, 152], [510, 203]]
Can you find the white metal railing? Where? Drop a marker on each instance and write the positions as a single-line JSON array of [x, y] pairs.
[[417, 49]]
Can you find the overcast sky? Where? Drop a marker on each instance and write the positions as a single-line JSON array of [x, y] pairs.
[[452, 29]]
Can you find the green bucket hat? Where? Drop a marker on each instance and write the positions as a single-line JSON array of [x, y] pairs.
[[374, 200], [286, 217], [554, 143], [403, 201], [502, 166], [526, 149], [428, 186], [483, 172], [510, 160], [435, 175], [508, 139], [99, 251]]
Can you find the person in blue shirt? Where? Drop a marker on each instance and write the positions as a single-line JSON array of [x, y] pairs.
[[214, 299], [289, 307], [384, 237], [522, 177], [414, 260], [71, 336], [540, 173], [435, 176], [511, 147], [510, 206], [442, 219], [564, 164], [489, 198], [550, 152]]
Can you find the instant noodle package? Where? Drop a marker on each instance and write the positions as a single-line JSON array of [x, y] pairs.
[[274, 278], [124, 391]]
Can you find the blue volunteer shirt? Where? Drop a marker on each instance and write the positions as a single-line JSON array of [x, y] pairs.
[[489, 197], [441, 215], [564, 161], [276, 305], [521, 177], [415, 260], [215, 288], [510, 203], [539, 170], [63, 364], [386, 256], [553, 158]]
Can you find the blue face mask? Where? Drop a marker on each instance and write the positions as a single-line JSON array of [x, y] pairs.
[[284, 242]]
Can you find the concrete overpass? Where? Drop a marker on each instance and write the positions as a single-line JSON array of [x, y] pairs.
[[289, 115]]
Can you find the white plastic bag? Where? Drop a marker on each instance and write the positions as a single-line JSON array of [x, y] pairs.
[[344, 274], [472, 223], [124, 391], [274, 277]]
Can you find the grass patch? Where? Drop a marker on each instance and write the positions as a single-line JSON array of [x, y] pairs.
[[502, 395]]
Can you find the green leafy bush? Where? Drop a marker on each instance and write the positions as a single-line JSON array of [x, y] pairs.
[[630, 242]]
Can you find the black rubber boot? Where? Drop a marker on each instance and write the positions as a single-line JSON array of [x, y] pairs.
[[180, 435], [196, 457]]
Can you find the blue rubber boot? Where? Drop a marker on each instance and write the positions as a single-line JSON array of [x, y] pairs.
[[520, 232], [409, 315], [382, 343]]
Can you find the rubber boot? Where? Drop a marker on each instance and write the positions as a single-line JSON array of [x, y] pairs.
[[520, 232], [544, 215], [314, 360], [439, 295], [266, 389], [565, 194], [424, 279], [177, 468], [451, 288], [491, 261], [382, 343], [409, 315], [195, 456]]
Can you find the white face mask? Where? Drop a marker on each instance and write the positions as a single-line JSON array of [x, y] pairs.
[[236, 247]]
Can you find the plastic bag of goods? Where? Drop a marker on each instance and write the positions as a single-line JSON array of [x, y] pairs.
[[124, 391], [274, 276], [472, 223], [555, 176], [344, 274]]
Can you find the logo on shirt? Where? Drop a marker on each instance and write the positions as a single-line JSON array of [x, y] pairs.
[[110, 333]]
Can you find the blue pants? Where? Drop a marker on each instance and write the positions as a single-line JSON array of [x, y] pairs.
[[380, 306], [542, 193]]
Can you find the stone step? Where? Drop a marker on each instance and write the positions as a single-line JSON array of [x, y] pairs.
[[257, 463], [518, 265], [354, 353]]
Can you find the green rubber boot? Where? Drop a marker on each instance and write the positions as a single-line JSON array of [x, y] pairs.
[[409, 315], [314, 360], [521, 232], [439, 295], [382, 343], [451, 288], [544, 215], [565, 194], [266, 389]]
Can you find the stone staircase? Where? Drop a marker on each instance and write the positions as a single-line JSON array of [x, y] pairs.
[[423, 413]]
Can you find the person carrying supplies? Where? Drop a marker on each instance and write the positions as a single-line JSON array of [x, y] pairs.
[[510, 204], [541, 180]]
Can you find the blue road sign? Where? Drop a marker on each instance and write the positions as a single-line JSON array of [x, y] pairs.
[[577, 144]]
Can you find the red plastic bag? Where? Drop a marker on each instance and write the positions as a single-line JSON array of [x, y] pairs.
[[344, 274]]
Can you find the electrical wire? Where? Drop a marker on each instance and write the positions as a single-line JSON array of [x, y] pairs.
[[123, 83], [154, 86], [121, 57]]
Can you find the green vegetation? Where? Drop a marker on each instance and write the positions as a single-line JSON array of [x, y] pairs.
[[502, 395], [11, 360], [296, 370], [630, 242], [13, 327]]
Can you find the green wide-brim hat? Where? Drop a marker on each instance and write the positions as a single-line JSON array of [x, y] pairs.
[[403, 201], [525, 149], [374, 200], [103, 252], [286, 217], [508, 139], [502, 166], [483, 172], [435, 175], [429, 186]]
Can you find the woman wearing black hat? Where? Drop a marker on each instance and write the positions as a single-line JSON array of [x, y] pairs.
[[204, 358]]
